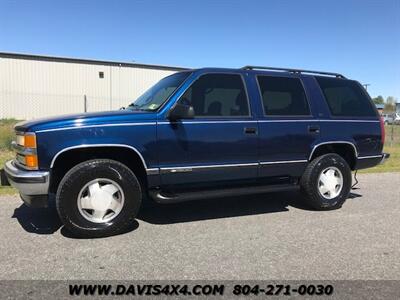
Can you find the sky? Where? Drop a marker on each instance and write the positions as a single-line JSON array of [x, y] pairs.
[[358, 38]]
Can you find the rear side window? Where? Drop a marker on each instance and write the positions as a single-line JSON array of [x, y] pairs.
[[283, 96], [218, 95], [345, 98]]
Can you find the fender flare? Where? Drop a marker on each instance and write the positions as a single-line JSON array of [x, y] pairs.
[[333, 142], [148, 170]]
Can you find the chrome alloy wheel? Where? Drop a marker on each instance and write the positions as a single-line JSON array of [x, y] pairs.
[[330, 182], [100, 200]]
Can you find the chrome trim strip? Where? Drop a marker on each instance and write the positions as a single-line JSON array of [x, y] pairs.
[[370, 156], [333, 142], [98, 145], [284, 121], [317, 120], [22, 150], [263, 121], [207, 122], [153, 171], [180, 170], [211, 166], [190, 168], [353, 121], [283, 162], [99, 125]]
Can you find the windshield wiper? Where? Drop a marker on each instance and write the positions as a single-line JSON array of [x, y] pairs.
[[133, 105]]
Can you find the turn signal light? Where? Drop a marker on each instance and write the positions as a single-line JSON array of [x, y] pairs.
[[30, 141], [31, 161]]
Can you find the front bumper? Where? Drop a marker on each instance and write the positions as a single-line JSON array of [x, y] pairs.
[[32, 185]]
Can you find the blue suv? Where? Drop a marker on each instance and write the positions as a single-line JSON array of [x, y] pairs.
[[200, 134]]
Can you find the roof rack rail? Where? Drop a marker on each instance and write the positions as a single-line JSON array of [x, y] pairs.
[[294, 71]]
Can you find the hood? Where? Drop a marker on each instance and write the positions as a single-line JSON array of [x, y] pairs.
[[84, 119]]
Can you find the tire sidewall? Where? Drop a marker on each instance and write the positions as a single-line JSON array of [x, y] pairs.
[[78, 177], [326, 161]]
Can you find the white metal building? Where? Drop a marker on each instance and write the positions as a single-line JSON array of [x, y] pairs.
[[33, 86]]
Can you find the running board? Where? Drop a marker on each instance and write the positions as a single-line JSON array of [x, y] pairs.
[[160, 197]]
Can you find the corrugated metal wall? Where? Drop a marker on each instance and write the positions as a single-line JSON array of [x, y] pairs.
[[35, 88]]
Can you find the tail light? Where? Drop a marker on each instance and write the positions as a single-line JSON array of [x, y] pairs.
[[382, 131]]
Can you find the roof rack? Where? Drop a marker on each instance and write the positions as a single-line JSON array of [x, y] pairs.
[[294, 71]]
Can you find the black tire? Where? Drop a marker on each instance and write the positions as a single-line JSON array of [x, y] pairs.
[[310, 180], [73, 182]]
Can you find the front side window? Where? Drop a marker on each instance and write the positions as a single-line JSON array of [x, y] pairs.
[[345, 98], [154, 97], [217, 95], [283, 96]]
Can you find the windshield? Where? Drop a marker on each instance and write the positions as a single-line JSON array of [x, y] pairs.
[[154, 97]]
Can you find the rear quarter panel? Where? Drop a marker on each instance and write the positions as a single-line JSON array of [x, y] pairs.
[[364, 133]]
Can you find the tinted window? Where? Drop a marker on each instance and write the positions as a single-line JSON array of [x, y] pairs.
[[283, 96], [214, 95], [345, 97]]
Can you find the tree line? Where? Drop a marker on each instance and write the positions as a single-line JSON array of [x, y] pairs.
[[390, 103]]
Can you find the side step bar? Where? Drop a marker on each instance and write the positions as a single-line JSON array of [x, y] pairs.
[[160, 197]]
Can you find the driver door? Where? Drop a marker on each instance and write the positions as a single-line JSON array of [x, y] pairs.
[[218, 145]]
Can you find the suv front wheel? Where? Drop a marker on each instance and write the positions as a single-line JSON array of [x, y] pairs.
[[326, 182], [98, 198]]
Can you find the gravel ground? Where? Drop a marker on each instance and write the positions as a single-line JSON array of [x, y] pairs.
[[259, 237]]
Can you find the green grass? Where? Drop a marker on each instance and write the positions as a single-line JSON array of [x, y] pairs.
[[6, 133], [392, 146], [390, 165], [392, 135], [6, 136], [4, 156]]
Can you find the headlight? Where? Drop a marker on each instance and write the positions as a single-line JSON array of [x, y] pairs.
[[27, 140], [25, 146]]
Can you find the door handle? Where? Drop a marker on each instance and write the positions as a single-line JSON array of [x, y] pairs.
[[250, 130], [313, 129]]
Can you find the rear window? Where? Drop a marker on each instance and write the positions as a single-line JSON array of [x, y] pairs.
[[283, 96], [345, 98]]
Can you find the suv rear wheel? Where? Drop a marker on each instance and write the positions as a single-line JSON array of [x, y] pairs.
[[98, 198], [326, 182]]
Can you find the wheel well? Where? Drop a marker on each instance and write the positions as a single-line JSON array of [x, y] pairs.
[[346, 151], [67, 160]]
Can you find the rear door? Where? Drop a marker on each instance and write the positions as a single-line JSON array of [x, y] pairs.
[[287, 126]]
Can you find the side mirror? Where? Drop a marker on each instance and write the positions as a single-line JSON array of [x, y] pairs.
[[181, 111]]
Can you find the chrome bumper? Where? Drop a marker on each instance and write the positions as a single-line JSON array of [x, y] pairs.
[[28, 183], [385, 156]]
